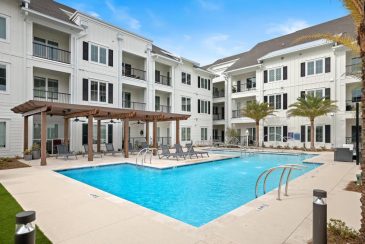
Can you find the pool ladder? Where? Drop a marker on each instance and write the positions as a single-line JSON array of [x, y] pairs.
[[143, 153], [284, 167]]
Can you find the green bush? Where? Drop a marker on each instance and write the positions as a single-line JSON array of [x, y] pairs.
[[341, 232]]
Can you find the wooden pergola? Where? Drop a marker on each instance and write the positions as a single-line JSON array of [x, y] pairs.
[[68, 111]]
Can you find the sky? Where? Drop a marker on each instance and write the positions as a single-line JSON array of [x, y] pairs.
[[206, 30]]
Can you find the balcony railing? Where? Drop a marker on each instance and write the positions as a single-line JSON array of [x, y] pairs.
[[163, 108], [134, 73], [351, 104], [218, 139], [218, 94], [52, 53], [163, 80], [243, 88], [49, 96], [236, 114], [218, 116], [353, 69], [134, 105]]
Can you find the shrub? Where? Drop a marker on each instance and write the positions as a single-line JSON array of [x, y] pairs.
[[27, 152], [295, 148], [35, 147], [341, 232]]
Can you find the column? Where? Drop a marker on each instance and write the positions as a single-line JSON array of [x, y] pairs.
[[90, 156], [126, 136], [177, 131], [98, 125], [43, 138], [25, 137], [154, 136], [147, 132], [65, 131]]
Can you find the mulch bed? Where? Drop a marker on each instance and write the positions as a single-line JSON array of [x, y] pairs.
[[11, 163], [352, 186]]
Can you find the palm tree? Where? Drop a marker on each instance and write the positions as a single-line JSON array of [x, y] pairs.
[[357, 11], [257, 111], [311, 107]]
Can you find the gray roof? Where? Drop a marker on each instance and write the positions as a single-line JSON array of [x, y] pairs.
[[337, 26], [162, 52], [223, 60], [52, 8]]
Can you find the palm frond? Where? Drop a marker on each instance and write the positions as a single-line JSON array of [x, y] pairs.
[[257, 111], [347, 41], [356, 8]]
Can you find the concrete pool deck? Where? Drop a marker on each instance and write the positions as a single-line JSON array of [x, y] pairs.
[[69, 211]]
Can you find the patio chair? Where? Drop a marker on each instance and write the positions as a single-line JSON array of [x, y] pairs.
[[62, 151], [343, 155], [86, 148], [166, 153], [109, 148], [180, 152], [191, 151], [144, 145], [132, 149]]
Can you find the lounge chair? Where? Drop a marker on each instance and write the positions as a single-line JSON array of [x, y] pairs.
[[131, 148], [109, 148], [191, 151], [144, 145], [86, 148], [62, 151], [166, 153], [180, 152]]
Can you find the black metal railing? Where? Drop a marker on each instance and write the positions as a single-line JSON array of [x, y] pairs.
[[134, 105], [49, 96], [163, 108], [353, 69], [136, 141], [351, 104], [218, 116], [243, 88], [52, 53], [218, 94], [134, 73], [218, 139], [163, 80], [164, 140]]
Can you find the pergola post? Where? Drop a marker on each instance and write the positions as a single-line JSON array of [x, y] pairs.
[[43, 138], [65, 131], [177, 131], [98, 135], [90, 156], [126, 136], [147, 132], [25, 137], [154, 136]]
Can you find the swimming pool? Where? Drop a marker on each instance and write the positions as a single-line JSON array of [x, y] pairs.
[[195, 194]]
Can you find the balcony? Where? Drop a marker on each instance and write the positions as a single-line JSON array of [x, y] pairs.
[[236, 114], [51, 53], [351, 104], [133, 105], [218, 116], [163, 108], [163, 80], [353, 69], [133, 73], [218, 94], [49, 96], [243, 87]]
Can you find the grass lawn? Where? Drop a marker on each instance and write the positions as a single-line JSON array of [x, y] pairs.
[[8, 208]]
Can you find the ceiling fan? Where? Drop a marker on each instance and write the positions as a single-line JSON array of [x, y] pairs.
[[138, 123], [78, 120], [113, 122]]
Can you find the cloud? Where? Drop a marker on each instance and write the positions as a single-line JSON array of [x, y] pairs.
[[93, 13], [289, 26], [222, 44], [85, 9], [155, 19], [121, 14], [209, 5], [187, 37]]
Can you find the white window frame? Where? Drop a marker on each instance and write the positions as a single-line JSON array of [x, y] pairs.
[[187, 81], [315, 66], [184, 134], [98, 91], [95, 133], [275, 74], [7, 26], [7, 130], [275, 100], [276, 134], [187, 99], [7, 78], [203, 133], [315, 91], [98, 48], [204, 83], [204, 107]]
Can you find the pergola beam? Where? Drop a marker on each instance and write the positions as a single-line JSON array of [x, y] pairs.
[[92, 112], [36, 111]]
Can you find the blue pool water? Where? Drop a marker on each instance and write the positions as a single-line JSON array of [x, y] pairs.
[[194, 194]]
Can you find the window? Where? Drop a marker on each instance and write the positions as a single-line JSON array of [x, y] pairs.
[[315, 93], [278, 102], [251, 83], [157, 103], [204, 83], [186, 78], [271, 133], [2, 77], [102, 136], [186, 104], [2, 134], [53, 89], [272, 101], [98, 91], [319, 133], [185, 134], [275, 74], [275, 133], [203, 107], [52, 131], [203, 134], [45, 87], [4, 28], [98, 54], [356, 95], [315, 66]]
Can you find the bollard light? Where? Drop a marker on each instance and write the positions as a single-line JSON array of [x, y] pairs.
[[319, 216], [24, 228]]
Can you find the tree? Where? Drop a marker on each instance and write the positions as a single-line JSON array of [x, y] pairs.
[[311, 107], [357, 45], [232, 135], [257, 111]]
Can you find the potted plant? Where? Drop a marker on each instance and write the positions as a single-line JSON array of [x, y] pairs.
[[36, 152], [27, 155]]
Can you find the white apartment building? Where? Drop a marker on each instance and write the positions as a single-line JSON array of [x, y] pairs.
[[280, 70], [51, 52]]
